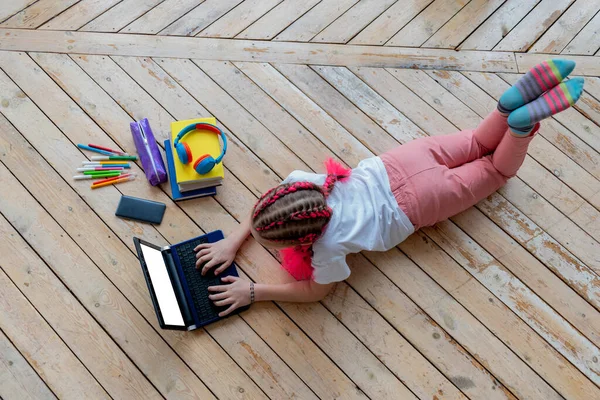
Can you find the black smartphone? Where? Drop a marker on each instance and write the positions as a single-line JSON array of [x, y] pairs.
[[141, 209]]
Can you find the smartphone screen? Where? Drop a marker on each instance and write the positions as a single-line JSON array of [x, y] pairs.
[[163, 287]]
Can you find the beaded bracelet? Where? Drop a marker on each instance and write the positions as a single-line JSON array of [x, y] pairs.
[[251, 292]]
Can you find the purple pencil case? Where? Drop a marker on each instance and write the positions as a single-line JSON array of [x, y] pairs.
[[149, 153]]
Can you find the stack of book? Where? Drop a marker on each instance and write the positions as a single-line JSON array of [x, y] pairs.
[[186, 183]]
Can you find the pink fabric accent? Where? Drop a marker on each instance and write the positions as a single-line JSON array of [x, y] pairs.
[[298, 262], [437, 177], [335, 168]]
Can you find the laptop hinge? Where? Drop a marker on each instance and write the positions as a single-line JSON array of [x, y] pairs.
[[165, 248], [191, 327]]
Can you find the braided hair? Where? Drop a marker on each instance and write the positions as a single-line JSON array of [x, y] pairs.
[[296, 213]]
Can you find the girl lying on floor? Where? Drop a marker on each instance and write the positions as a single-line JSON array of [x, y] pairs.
[[316, 220]]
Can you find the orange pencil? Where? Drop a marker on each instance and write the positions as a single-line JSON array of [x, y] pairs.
[[113, 178], [99, 185]]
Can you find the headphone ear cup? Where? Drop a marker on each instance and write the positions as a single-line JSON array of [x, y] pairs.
[[184, 152], [204, 164]]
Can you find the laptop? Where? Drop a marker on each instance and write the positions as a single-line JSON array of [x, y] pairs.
[[178, 290]]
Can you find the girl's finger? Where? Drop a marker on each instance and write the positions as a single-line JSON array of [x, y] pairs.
[[229, 310], [218, 296], [224, 302], [221, 288], [202, 252], [202, 246], [223, 267], [230, 278]]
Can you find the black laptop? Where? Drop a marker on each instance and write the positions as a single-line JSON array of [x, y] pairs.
[[178, 290]]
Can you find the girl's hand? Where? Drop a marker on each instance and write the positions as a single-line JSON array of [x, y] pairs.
[[236, 294], [212, 254]]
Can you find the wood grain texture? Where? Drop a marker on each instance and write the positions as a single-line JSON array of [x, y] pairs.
[[243, 50]]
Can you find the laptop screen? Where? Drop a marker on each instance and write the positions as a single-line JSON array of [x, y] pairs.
[[163, 287]]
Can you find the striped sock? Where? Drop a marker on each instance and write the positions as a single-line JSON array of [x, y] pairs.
[[557, 99], [538, 80]]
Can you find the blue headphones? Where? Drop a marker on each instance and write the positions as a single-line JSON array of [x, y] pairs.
[[205, 163]]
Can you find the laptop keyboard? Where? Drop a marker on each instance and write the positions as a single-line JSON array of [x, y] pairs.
[[197, 283]]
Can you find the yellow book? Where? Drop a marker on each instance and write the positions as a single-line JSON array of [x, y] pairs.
[[200, 142]]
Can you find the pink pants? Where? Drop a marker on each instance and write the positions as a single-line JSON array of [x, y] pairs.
[[437, 177]]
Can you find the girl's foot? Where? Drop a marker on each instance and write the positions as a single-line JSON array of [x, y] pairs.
[[538, 80], [557, 99]]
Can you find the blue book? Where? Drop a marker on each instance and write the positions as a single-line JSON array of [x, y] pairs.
[[177, 194]]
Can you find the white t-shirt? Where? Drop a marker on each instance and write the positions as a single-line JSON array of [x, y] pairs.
[[365, 216]]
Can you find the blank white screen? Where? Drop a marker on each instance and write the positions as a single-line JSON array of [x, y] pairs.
[[163, 288]]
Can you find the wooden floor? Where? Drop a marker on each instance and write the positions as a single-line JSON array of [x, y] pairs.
[[501, 302]]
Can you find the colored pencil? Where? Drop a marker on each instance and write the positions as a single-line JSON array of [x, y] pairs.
[[101, 172], [105, 162], [84, 147], [114, 158], [129, 178], [105, 175], [91, 168], [111, 179], [95, 146]]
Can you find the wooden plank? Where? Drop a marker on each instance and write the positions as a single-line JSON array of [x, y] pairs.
[[427, 23], [276, 20], [463, 23], [314, 21], [353, 21], [238, 19], [17, 378], [200, 17], [161, 16], [329, 131], [566, 27], [396, 122], [586, 42], [390, 22], [78, 15], [120, 15], [266, 269], [135, 336], [325, 96], [421, 83], [262, 107], [522, 300], [59, 308], [525, 34], [37, 13], [586, 66], [592, 86], [491, 32], [9, 8], [243, 50], [493, 313], [42, 348]]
